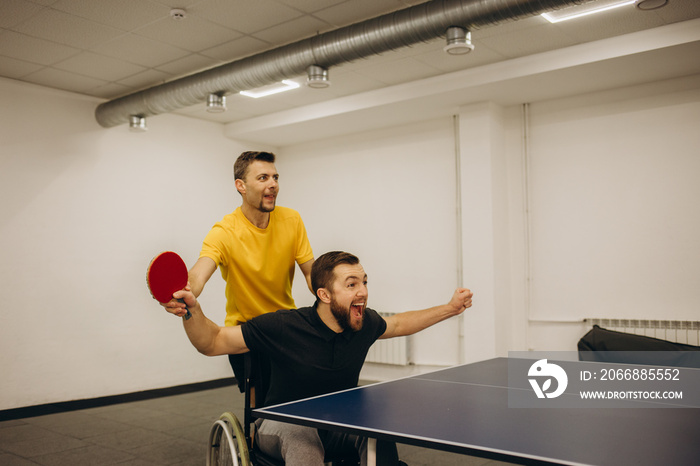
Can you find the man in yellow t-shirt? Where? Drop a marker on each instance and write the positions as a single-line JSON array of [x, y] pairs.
[[256, 248], [257, 263]]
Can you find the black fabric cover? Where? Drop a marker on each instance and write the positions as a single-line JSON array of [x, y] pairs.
[[604, 345]]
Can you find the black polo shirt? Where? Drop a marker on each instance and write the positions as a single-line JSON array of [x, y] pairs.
[[307, 358]]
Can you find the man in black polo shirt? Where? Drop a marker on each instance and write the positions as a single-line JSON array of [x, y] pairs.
[[316, 350]]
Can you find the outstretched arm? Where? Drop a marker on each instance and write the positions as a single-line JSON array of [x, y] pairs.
[[205, 335], [408, 323]]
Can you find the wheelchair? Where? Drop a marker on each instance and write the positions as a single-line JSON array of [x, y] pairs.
[[233, 444]]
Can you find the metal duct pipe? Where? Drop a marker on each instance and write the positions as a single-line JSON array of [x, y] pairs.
[[420, 23]]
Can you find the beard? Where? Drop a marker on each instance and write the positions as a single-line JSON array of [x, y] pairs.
[[342, 316], [262, 207]]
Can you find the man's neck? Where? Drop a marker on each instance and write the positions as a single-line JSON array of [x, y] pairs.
[[256, 216], [327, 317]]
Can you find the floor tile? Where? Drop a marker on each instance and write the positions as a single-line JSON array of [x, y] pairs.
[[89, 455]]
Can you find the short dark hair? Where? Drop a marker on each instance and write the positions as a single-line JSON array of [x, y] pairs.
[[240, 167], [322, 271]]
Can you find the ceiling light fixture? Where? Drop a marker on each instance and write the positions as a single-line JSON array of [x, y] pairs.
[[459, 41], [216, 103], [286, 85], [585, 9], [317, 77], [137, 124]]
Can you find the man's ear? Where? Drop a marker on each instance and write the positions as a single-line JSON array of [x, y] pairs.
[[240, 186], [324, 295]]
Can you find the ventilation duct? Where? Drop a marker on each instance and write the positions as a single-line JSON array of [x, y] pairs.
[[420, 23]]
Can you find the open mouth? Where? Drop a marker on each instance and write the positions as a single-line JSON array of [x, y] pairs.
[[357, 309]]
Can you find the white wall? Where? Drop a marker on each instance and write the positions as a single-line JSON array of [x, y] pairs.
[[84, 209], [614, 184]]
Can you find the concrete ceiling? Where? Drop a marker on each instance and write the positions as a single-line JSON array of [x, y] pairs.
[[107, 49]]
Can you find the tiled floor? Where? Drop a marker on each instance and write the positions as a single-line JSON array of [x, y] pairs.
[[163, 431]]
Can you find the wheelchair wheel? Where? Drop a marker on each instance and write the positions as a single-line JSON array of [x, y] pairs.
[[227, 443]]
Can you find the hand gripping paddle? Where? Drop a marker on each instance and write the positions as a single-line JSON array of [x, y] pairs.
[[167, 274]]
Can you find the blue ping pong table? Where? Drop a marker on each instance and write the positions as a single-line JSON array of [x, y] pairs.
[[465, 409]]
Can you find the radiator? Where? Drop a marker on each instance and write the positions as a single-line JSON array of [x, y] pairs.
[[390, 351], [677, 331]]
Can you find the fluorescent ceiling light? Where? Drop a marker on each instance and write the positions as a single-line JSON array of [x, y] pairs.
[[276, 88], [584, 10]]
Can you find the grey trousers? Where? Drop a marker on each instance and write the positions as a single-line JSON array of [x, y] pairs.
[[307, 446]]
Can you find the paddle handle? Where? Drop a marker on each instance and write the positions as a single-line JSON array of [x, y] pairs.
[[189, 314]]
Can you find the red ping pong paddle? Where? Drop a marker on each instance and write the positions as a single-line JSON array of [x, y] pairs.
[[167, 274]]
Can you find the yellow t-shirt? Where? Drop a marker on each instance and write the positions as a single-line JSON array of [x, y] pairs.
[[257, 264]]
